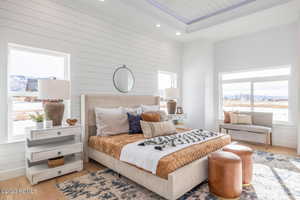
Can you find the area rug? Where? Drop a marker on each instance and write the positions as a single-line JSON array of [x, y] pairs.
[[276, 177]]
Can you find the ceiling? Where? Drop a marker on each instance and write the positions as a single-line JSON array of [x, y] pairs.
[[193, 11], [209, 19]]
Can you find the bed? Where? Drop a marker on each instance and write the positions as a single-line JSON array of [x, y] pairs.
[[169, 181]]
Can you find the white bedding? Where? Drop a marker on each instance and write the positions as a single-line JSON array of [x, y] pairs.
[[147, 158]]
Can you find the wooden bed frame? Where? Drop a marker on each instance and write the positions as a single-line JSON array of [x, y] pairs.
[[178, 183]]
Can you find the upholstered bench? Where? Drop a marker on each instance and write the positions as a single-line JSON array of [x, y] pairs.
[[245, 153], [261, 124], [225, 174]]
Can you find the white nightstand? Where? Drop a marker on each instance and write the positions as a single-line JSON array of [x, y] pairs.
[[178, 119], [43, 144]]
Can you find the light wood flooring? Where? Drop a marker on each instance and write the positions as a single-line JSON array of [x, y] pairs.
[[47, 189]]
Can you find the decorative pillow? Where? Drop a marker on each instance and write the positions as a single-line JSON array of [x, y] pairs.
[[111, 121], [163, 116], [151, 116], [154, 129], [134, 123], [244, 119], [147, 108], [233, 117], [227, 117], [236, 118], [134, 111]]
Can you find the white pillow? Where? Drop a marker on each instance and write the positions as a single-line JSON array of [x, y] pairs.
[[245, 119], [147, 108], [233, 117], [111, 121], [236, 118], [135, 111]]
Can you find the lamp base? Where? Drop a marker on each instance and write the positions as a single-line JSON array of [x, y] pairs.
[[54, 111], [171, 106]]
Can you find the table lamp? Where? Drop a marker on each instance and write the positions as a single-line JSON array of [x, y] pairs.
[[53, 92], [171, 95]]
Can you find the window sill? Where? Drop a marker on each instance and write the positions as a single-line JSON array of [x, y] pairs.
[[275, 124]]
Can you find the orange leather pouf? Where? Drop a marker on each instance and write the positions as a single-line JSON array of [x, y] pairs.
[[225, 174], [245, 153]]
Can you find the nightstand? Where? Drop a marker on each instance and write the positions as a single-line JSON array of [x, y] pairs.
[[44, 144], [178, 119]]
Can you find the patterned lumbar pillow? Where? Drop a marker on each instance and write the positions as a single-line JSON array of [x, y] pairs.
[[134, 123], [154, 129]]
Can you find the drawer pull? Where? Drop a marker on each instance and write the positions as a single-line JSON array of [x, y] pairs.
[[59, 172], [58, 153], [58, 133]]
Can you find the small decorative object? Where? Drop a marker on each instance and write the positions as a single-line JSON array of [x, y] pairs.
[[179, 110], [53, 92], [48, 124], [55, 162], [38, 119], [71, 122], [123, 79], [172, 94]]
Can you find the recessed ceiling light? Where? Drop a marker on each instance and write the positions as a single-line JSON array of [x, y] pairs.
[[178, 33], [157, 25], [101, 0]]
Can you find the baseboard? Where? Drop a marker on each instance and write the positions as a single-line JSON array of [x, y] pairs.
[[12, 173]]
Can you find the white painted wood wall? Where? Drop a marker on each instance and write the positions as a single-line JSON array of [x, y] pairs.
[[97, 46]]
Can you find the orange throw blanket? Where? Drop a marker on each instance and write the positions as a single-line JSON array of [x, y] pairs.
[[112, 145]]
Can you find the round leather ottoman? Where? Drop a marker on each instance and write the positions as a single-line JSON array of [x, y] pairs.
[[225, 174], [245, 153]]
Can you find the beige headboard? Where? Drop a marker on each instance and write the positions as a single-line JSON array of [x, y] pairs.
[[90, 101]]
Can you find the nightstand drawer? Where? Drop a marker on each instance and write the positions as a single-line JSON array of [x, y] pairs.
[[53, 133], [47, 143], [58, 171], [59, 151]]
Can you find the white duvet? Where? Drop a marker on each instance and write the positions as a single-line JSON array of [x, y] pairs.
[[147, 158]]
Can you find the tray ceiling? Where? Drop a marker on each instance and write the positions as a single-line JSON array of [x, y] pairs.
[[219, 19], [193, 11]]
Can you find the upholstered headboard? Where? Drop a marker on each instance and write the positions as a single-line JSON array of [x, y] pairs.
[[90, 101]]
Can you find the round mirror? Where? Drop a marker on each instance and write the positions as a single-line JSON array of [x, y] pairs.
[[123, 79]]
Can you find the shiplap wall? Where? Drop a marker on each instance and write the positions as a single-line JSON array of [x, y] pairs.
[[97, 46]]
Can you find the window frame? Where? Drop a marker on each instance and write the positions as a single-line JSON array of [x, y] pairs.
[[252, 82], [174, 84], [9, 136], [173, 75]]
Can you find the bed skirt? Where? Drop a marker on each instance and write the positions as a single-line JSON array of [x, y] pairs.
[[172, 188]]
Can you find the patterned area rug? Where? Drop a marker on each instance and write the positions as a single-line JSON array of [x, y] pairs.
[[276, 177]]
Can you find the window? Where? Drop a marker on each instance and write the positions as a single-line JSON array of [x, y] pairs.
[[25, 66], [258, 91], [272, 96], [165, 80], [236, 96]]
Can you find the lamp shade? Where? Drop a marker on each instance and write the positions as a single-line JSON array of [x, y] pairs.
[[172, 93], [53, 89]]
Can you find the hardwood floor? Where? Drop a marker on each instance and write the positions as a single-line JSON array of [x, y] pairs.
[[43, 191], [273, 149], [47, 189]]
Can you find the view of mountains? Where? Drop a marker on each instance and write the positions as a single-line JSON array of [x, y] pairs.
[[20, 83]]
